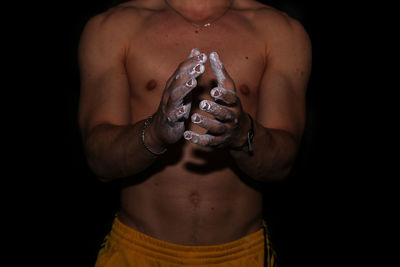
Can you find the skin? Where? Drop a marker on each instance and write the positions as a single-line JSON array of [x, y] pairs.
[[140, 59]]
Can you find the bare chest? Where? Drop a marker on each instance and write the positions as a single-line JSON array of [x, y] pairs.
[[156, 51]]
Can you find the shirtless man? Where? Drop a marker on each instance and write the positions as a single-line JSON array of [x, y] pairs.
[[167, 88]]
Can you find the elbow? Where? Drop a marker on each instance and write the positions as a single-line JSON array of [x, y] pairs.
[[96, 167], [276, 173], [286, 168], [97, 164], [98, 170], [280, 163], [282, 173], [275, 176]]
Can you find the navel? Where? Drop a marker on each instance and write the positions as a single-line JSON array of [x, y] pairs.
[[194, 198], [244, 89], [151, 85]]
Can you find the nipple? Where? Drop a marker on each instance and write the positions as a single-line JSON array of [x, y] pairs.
[[151, 85], [244, 89]]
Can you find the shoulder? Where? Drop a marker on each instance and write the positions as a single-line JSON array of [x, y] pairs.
[[271, 23], [121, 19], [111, 32]]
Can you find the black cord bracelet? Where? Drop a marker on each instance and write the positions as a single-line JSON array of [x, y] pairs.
[[249, 141]]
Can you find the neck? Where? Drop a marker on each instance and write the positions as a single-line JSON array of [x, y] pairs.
[[200, 7]]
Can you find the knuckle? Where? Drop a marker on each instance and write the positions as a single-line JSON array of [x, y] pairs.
[[215, 108], [195, 139], [171, 117], [229, 115], [178, 93], [181, 111], [230, 97], [223, 128], [235, 123], [208, 139], [220, 128], [174, 96], [234, 99]]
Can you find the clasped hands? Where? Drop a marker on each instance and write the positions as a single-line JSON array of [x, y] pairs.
[[231, 123]]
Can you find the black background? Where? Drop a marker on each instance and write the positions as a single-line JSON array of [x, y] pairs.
[[313, 215]]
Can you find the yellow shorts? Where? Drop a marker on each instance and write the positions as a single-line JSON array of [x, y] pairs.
[[125, 247]]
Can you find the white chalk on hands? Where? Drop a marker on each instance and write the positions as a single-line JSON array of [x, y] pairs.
[[194, 70], [194, 52], [187, 135], [196, 118], [217, 67], [204, 105]]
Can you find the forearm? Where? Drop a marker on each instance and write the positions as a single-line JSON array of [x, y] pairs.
[[117, 151], [274, 154]]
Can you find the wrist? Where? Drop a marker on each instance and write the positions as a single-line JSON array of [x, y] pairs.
[[246, 140], [150, 140]]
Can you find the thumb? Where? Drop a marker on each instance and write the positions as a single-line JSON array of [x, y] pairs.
[[223, 78]]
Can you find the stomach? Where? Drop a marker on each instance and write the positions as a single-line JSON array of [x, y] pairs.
[[192, 195]]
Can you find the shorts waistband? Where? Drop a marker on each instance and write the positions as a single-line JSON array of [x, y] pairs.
[[129, 238]]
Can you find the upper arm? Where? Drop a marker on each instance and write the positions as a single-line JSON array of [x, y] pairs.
[[281, 102], [104, 84]]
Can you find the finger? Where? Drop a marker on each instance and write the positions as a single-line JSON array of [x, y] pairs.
[[199, 139], [181, 74], [185, 82], [213, 126], [180, 92], [194, 52], [178, 113], [204, 139], [229, 97], [223, 78], [191, 66], [220, 112]]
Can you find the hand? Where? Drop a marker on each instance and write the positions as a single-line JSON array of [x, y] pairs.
[[167, 126], [231, 123]]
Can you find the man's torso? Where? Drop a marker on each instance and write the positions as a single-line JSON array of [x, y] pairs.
[[192, 195]]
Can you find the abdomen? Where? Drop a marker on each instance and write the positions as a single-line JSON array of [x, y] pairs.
[[198, 200]]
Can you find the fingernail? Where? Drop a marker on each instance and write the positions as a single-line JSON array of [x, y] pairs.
[[204, 105], [199, 68], [196, 118], [190, 82], [187, 135], [215, 92]]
